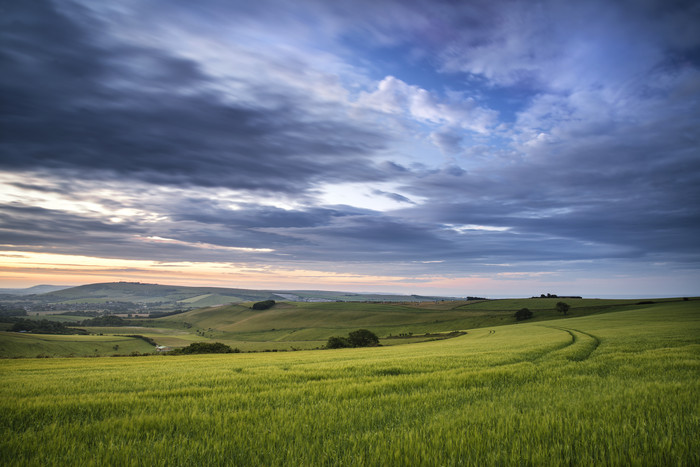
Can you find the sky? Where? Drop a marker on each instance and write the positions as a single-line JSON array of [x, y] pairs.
[[489, 148]]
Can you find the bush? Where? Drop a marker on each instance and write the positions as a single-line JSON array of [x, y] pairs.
[[204, 347], [109, 320], [264, 305], [562, 307], [43, 326], [359, 338], [337, 342], [5, 312], [523, 314], [363, 338]]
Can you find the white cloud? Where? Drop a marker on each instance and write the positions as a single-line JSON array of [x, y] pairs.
[[379, 197], [475, 228], [393, 96], [202, 245]]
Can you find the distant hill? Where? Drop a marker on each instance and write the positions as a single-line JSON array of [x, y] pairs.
[[37, 289], [195, 297], [137, 292]]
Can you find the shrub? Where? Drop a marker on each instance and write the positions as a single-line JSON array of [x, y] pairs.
[[337, 342], [359, 338], [43, 326], [109, 320], [562, 307], [204, 347], [523, 314], [264, 305], [363, 338]]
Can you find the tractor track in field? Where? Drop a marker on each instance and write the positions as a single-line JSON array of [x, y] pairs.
[[587, 349], [593, 347]]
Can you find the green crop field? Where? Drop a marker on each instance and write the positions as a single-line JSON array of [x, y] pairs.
[[618, 388], [13, 345], [300, 325]]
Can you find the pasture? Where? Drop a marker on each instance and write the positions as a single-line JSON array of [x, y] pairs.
[[14, 345], [304, 326], [619, 388]]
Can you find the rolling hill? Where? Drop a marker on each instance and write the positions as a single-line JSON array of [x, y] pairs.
[[308, 325], [37, 289], [618, 388], [164, 297]]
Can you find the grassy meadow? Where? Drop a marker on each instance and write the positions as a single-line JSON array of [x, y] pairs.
[[304, 326], [617, 388], [15, 345]]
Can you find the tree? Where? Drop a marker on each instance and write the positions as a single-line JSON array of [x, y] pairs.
[[562, 307], [337, 342], [109, 320], [264, 305], [204, 347], [363, 338], [523, 314], [359, 338]]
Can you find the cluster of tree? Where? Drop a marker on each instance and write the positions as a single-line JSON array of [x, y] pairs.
[[204, 347], [11, 313], [90, 314], [163, 314], [264, 305], [43, 326], [523, 314], [476, 298], [551, 295], [108, 320], [359, 338]]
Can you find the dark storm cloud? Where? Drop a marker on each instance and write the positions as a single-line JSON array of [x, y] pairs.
[[252, 216], [630, 210], [76, 101], [597, 162], [34, 226], [51, 231]]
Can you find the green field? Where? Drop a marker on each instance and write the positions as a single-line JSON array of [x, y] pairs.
[[168, 297], [14, 344], [617, 388], [303, 326]]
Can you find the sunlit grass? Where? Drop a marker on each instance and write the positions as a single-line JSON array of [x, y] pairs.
[[613, 389], [13, 344]]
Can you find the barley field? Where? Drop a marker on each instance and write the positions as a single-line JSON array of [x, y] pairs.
[[619, 388]]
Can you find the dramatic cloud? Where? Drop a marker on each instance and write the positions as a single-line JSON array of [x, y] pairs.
[[416, 145], [78, 101]]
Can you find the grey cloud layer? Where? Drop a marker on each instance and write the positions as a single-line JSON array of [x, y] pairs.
[[72, 103], [601, 161]]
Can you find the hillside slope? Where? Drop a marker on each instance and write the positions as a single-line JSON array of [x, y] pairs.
[[304, 325], [192, 297], [613, 389]]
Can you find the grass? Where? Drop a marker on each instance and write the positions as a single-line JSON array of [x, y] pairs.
[[606, 389], [300, 325], [13, 345]]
